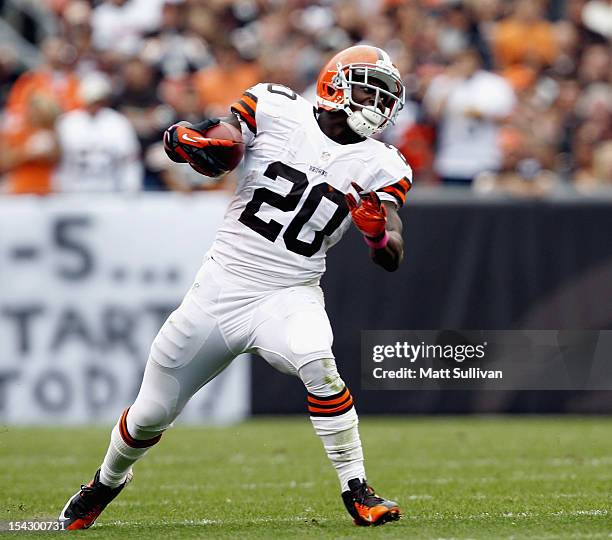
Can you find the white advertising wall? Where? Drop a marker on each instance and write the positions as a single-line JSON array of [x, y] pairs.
[[85, 283]]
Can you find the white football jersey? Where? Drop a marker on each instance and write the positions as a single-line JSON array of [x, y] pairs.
[[289, 206]]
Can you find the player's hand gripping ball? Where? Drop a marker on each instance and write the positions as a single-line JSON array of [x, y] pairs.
[[211, 147], [369, 215]]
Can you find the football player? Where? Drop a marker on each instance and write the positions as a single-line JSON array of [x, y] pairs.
[[309, 172]]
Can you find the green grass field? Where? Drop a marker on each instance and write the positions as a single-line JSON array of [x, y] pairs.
[[455, 478]]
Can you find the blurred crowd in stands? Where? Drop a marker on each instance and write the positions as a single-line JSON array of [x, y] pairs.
[[502, 95]]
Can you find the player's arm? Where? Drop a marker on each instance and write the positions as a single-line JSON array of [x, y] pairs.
[[380, 225], [391, 255]]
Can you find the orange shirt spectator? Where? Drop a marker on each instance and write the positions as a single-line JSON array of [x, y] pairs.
[[62, 86], [53, 78], [525, 37], [219, 86], [29, 148]]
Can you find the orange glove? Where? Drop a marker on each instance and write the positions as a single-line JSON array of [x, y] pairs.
[[192, 137], [187, 143], [369, 215]]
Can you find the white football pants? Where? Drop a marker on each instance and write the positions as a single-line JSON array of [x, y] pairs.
[[221, 317]]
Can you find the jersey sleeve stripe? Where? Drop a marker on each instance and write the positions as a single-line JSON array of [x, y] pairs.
[[398, 190], [248, 107], [240, 108], [245, 107], [399, 195], [405, 184], [250, 100]]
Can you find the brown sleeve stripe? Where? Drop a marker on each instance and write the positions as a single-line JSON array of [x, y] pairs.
[[330, 405], [250, 100], [249, 120], [399, 196], [398, 190], [245, 107], [129, 440], [405, 184]]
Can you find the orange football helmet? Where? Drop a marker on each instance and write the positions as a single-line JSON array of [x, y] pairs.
[[365, 66]]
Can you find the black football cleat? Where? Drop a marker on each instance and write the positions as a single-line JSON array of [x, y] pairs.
[[366, 507], [84, 507]]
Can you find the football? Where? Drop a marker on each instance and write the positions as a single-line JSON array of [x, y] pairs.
[[227, 157]]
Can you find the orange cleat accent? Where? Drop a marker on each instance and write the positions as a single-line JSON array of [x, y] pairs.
[[84, 507], [366, 507]]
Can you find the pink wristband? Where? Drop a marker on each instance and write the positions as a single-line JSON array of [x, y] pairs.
[[380, 244]]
